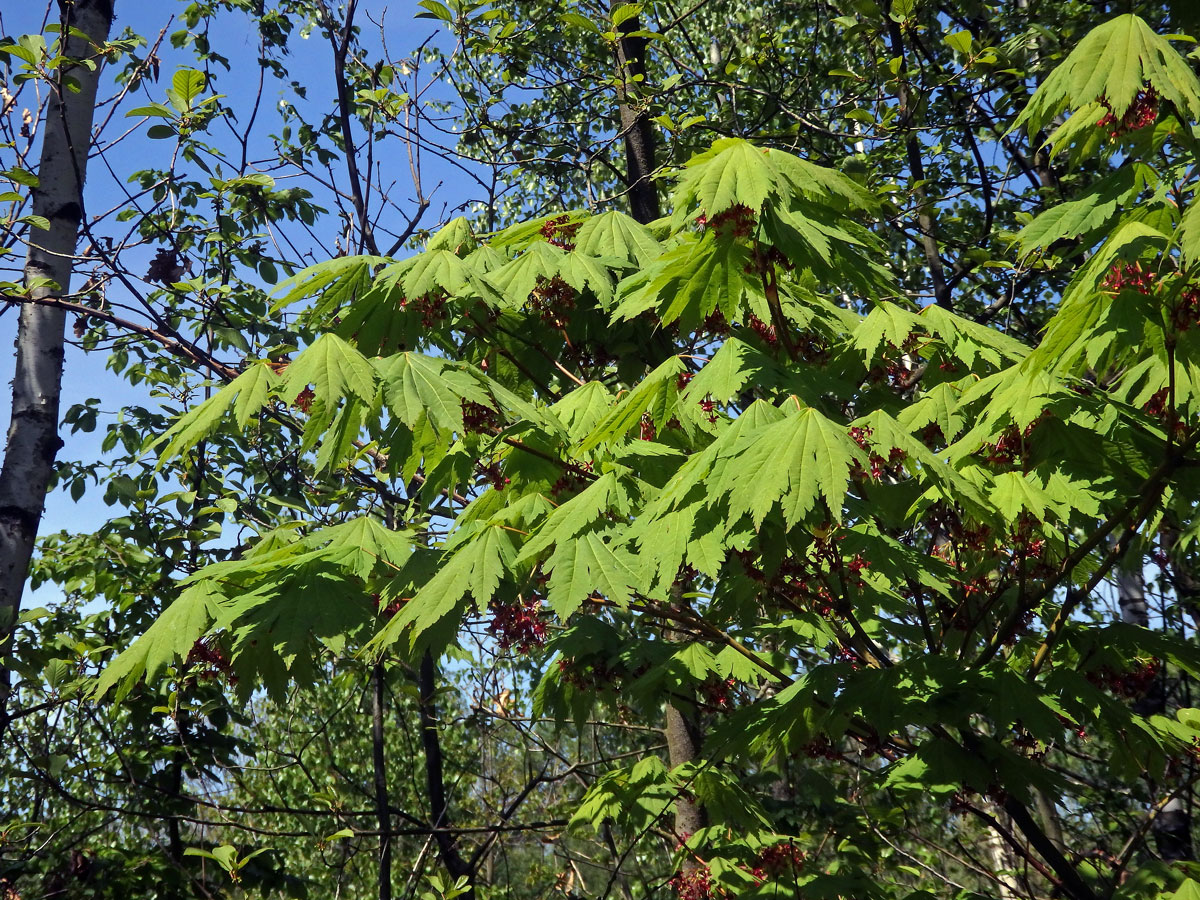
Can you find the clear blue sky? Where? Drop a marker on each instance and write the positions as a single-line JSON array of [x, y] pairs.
[[309, 63]]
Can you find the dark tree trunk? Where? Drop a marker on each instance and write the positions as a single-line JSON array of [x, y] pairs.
[[435, 779], [636, 128]]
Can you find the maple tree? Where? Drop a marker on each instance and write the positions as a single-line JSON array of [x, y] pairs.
[[717, 472]]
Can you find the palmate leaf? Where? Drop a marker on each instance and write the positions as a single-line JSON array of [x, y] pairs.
[[582, 511], [587, 564], [653, 396], [616, 235], [441, 585], [791, 463], [362, 546], [731, 368], [1044, 496], [435, 271], [690, 281], [708, 467], [941, 406], [1084, 303], [582, 408], [455, 236], [732, 173], [274, 626], [258, 387], [1189, 233], [337, 281], [515, 280], [416, 385], [170, 638], [814, 182], [247, 395], [1113, 62], [1082, 216], [968, 341], [335, 370], [886, 322]]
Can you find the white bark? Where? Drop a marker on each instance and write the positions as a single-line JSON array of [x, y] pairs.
[[33, 438]]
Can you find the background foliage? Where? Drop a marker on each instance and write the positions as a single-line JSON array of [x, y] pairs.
[[759, 462]]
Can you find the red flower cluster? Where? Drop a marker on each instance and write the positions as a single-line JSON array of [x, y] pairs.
[[560, 232], [1012, 446], [552, 300], [716, 324], [718, 694], [304, 399], [586, 674], [738, 219], [1130, 276], [646, 429], [878, 465], [1142, 112], [694, 885], [763, 330], [492, 472], [821, 747], [784, 858], [1187, 311], [1133, 683], [386, 612], [432, 309], [211, 661], [477, 418], [519, 625]]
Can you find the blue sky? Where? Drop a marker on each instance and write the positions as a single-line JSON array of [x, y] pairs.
[[310, 63]]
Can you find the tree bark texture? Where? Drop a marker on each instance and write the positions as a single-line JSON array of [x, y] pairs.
[[636, 128], [379, 764], [33, 440], [1172, 827], [435, 779]]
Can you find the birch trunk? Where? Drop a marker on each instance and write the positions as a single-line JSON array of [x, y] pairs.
[[33, 440]]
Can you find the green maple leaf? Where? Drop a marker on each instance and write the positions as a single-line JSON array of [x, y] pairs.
[[585, 509], [709, 466], [334, 368], [516, 280], [690, 281], [171, 637], [886, 322], [727, 372], [455, 236], [732, 173], [414, 385], [1189, 233], [589, 563], [616, 235], [362, 546], [1114, 62], [581, 409], [435, 271], [941, 405], [967, 340], [275, 625], [441, 585], [338, 281], [1085, 215], [653, 396], [256, 386], [809, 180], [790, 463], [247, 394]]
